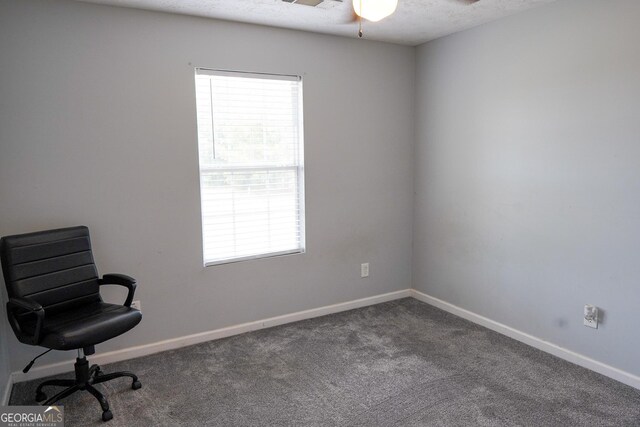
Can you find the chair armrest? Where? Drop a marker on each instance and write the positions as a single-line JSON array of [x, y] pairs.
[[121, 280], [26, 306]]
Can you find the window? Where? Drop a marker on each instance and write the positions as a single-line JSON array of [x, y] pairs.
[[250, 142]]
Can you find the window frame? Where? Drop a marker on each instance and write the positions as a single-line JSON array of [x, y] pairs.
[[298, 167]]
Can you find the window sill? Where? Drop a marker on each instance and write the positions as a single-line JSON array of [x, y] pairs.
[[253, 257]]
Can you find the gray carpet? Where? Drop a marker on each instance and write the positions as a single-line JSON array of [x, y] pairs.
[[398, 363]]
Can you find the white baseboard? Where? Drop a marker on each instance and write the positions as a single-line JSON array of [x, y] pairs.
[[174, 343], [563, 353], [6, 393]]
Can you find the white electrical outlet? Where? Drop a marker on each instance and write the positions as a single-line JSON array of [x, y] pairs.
[[364, 269], [137, 305], [591, 316]]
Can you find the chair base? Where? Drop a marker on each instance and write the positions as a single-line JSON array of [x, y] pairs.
[[86, 377]]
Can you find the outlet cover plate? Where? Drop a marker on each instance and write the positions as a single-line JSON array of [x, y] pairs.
[[593, 323], [364, 269]]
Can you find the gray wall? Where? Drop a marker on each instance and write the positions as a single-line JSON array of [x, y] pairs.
[[97, 127], [528, 174], [5, 365]]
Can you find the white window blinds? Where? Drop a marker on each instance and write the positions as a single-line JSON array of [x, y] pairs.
[[250, 143]]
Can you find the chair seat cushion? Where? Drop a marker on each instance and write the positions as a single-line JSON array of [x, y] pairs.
[[86, 325]]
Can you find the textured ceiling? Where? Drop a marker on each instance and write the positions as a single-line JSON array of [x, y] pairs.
[[415, 21]]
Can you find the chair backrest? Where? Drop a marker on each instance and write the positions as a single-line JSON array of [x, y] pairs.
[[53, 267]]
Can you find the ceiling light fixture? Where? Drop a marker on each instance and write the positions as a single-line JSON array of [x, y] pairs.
[[374, 10]]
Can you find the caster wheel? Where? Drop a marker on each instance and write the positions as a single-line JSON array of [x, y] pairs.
[[40, 396], [107, 415], [136, 385]]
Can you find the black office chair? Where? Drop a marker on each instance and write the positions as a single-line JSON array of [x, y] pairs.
[[54, 302]]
